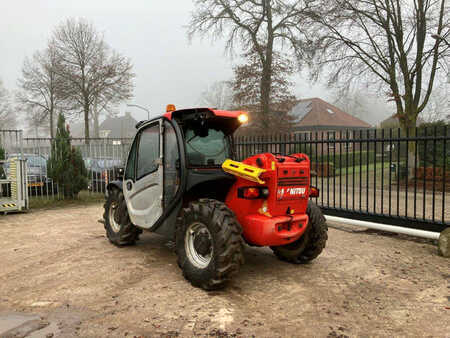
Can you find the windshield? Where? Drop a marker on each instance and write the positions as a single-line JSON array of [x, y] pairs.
[[210, 150]]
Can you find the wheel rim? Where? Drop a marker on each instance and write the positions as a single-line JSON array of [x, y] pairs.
[[112, 217], [199, 245]]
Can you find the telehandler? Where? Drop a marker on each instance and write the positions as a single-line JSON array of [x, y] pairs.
[[180, 181]]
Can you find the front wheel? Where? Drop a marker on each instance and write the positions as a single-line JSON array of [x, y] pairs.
[[119, 229], [209, 244], [311, 244]]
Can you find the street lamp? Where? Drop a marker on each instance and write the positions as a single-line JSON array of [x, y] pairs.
[[137, 106]]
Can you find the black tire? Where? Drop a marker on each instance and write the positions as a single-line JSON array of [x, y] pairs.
[[226, 251], [311, 244], [122, 232]]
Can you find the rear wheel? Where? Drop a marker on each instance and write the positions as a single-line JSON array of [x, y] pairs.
[[209, 244], [119, 229], [311, 244]]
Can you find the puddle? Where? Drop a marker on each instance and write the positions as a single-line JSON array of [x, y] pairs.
[[51, 329], [14, 324], [9, 321]]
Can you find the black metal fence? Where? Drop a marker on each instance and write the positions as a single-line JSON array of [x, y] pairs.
[[389, 176], [102, 158]]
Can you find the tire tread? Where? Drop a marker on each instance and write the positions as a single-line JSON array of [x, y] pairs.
[[228, 234], [128, 234]]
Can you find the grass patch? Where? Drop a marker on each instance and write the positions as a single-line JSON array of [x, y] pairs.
[[364, 168], [84, 198]]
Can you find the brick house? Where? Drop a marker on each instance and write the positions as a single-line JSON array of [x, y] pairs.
[[315, 114], [316, 119]]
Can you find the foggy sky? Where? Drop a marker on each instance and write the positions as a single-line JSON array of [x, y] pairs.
[[168, 68]]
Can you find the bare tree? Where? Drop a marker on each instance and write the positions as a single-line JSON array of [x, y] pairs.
[[388, 43], [7, 115], [247, 91], [91, 70], [438, 107], [101, 106], [37, 127], [41, 89], [218, 95], [263, 26], [363, 105]]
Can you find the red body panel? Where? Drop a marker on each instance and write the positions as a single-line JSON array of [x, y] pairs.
[[273, 231], [221, 113], [280, 218]]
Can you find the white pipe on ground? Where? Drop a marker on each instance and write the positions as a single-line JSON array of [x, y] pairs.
[[385, 227]]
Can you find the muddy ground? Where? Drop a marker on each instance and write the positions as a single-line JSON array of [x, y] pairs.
[[58, 267]]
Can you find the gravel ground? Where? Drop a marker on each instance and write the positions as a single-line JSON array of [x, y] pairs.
[[58, 268]]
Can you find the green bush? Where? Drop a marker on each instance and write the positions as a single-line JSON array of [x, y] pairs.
[[345, 160], [65, 165]]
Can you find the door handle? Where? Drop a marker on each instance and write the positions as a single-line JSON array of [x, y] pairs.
[[129, 186]]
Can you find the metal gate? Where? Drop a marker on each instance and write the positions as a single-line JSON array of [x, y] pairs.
[[386, 176], [13, 172]]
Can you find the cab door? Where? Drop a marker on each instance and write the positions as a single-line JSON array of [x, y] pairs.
[[143, 181]]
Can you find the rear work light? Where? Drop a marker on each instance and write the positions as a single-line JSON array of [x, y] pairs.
[[252, 193], [243, 118], [314, 192]]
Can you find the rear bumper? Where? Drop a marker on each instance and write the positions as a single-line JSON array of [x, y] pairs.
[[274, 231]]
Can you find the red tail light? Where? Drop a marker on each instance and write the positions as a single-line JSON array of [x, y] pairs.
[[252, 193], [313, 192]]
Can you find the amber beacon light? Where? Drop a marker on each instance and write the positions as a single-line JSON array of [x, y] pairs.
[[170, 107], [243, 118]]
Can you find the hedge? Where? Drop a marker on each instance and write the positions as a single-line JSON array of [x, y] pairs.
[[342, 161]]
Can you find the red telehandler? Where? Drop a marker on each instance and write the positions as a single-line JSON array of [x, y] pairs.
[[180, 181]]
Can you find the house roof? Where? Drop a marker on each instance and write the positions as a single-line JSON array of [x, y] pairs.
[[315, 112], [118, 127]]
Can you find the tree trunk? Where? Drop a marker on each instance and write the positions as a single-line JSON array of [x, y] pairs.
[[95, 114], [408, 125], [266, 86], [266, 79], [412, 158], [86, 123], [265, 94], [96, 125], [51, 124]]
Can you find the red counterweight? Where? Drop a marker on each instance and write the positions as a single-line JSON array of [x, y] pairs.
[[273, 213]]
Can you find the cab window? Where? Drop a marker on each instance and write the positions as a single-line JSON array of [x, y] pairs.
[[148, 152], [211, 149], [131, 163]]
